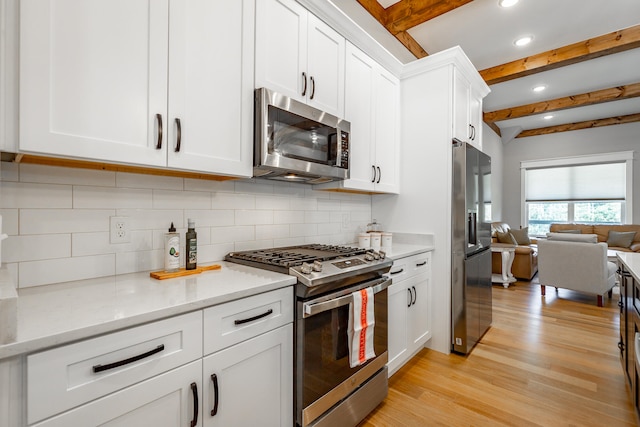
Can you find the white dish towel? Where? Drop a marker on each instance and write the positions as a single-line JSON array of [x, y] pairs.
[[361, 325]]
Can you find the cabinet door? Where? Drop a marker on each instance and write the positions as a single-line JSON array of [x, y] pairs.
[[281, 47], [461, 96], [93, 77], [325, 66], [163, 401], [251, 382], [399, 300], [420, 313], [475, 118], [386, 132], [359, 110], [211, 86]]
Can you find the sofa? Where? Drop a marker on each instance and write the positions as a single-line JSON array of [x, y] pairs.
[[525, 261], [626, 242], [577, 262]]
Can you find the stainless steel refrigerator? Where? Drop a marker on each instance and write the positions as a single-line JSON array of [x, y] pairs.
[[471, 311]]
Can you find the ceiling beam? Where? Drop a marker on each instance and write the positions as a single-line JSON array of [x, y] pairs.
[[582, 100], [589, 124], [607, 44], [407, 14]]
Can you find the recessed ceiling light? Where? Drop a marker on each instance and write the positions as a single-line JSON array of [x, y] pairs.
[[523, 41], [539, 88], [549, 117], [507, 3]]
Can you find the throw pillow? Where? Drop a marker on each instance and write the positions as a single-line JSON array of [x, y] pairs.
[[621, 239], [506, 238], [521, 236], [568, 231]]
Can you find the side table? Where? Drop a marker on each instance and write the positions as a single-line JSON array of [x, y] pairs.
[[508, 253]]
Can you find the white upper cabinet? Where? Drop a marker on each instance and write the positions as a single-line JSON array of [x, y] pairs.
[[124, 80], [372, 106], [467, 111], [299, 56]]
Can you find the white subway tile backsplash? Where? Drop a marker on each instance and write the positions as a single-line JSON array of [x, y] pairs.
[[28, 195], [264, 232], [233, 201], [35, 273], [165, 199], [111, 198], [131, 180], [245, 217], [32, 248], [45, 221], [84, 244], [60, 175], [13, 272], [58, 219], [238, 233], [9, 221]]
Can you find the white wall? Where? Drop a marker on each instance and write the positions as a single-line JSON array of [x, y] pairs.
[[58, 219], [565, 144], [492, 145]]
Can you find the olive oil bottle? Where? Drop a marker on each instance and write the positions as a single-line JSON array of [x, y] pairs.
[[191, 259]]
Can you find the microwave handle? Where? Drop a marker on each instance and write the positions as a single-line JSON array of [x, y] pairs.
[[311, 309]]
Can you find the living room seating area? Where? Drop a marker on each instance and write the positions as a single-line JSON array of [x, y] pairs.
[[624, 237], [525, 261]]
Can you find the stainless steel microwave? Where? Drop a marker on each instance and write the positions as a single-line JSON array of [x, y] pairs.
[[298, 143]]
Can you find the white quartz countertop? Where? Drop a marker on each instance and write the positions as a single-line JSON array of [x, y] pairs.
[[57, 314], [631, 261], [403, 250]]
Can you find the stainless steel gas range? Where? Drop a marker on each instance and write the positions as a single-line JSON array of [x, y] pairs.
[[328, 392]]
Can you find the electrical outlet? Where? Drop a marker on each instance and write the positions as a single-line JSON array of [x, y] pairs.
[[119, 230]]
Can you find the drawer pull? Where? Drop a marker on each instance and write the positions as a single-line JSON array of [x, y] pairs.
[[194, 390], [251, 319], [397, 272], [421, 264], [214, 379], [100, 368]]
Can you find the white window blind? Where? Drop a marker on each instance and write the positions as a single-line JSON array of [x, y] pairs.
[[576, 183]]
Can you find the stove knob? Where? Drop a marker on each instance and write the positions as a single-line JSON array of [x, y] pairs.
[[317, 266], [306, 268], [369, 256]]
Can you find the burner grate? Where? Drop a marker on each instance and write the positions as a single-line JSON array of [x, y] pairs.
[[294, 256]]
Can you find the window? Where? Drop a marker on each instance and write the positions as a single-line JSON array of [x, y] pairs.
[[589, 189]]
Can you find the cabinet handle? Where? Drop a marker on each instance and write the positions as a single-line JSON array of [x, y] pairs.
[[251, 319], [159, 121], [194, 390], [397, 272], [421, 264], [100, 368], [214, 380], [415, 295], [620, 345], [379, 175], [374, 173], [410, 297], [313, 87], [304, 88], [178, 134]]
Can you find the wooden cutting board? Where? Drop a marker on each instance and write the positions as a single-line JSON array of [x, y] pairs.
[[161, 274]]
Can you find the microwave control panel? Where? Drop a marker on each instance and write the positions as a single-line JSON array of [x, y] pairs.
[[344, 150]]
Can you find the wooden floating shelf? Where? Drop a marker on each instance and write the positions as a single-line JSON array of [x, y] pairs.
[[161, 275]]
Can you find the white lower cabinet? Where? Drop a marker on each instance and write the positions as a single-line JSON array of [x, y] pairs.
[[251, 383], [167, 400], [156, 375], [409, 301]]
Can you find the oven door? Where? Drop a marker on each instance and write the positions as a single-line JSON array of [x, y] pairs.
[[323, 375]]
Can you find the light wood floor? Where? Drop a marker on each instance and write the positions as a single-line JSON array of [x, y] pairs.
[[550, 361]]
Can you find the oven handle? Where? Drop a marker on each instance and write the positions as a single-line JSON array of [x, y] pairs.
[[311, 309]]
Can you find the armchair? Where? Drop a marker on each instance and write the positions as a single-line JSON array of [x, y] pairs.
[[576, 262]]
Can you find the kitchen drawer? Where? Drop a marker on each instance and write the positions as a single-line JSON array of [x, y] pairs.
[[236, 321], [410, 266], [68, 376]]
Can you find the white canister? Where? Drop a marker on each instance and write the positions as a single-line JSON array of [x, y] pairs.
[[386, 240], [364, 240], [375, 241]]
